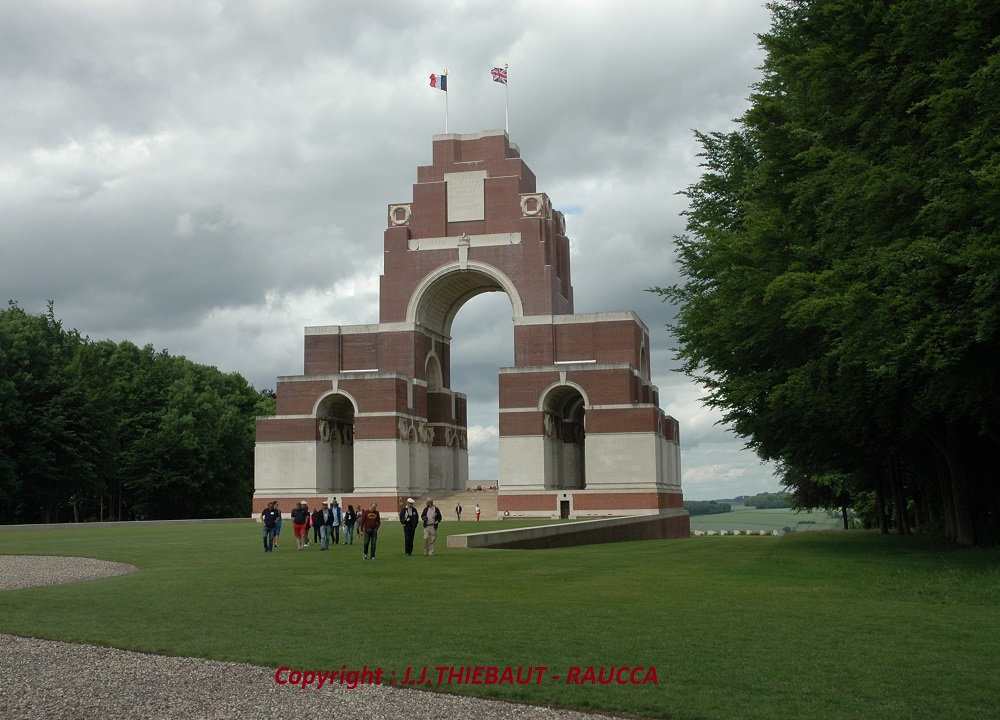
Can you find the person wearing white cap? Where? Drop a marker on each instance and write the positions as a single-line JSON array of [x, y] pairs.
[[408, 518]]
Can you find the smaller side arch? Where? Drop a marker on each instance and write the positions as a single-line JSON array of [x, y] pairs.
[[433, 373], [543, 398], [334, 412], [564, 407], [319, 404]]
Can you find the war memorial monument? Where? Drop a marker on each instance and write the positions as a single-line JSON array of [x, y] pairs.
[[373, 417]]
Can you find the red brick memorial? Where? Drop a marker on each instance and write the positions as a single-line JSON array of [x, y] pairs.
[[374, 416]]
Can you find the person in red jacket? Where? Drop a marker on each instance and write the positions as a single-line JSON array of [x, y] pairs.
[[370, 520]]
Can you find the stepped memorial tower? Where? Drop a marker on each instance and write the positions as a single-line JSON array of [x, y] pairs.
[[374, 417]]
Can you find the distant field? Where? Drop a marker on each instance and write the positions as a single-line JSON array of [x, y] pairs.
[[744, 518]]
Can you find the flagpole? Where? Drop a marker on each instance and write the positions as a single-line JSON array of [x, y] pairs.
[[446, 105], [506, 98]]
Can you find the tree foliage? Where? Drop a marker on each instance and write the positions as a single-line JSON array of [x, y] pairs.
[[98, 430], [706, 507], [841, 301], [769, 501]]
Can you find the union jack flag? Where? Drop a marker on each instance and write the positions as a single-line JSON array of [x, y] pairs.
[[499, 75]]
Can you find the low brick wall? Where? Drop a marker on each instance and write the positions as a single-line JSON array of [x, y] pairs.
[[672, 523]]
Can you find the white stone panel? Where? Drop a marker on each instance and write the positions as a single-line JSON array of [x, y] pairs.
[[522, 463], [620, 461], [326, 468], [451, 243], [462, 469], [442, 468], [415, 479], [670, 461], [285, 468], [380, 466], [466, 195]]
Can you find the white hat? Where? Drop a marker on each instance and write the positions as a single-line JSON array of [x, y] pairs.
[[303, 503], [410, 500]]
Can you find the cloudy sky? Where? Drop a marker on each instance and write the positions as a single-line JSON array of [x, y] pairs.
[[212, 177]]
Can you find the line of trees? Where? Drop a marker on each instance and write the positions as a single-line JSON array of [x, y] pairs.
[[106, 431], [706, 507], [841, 293], [768, 501]]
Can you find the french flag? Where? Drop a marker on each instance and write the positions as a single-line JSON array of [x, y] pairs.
[[440, 82]]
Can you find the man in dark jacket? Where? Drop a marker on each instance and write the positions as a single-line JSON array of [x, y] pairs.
[[370, 520], [408, 518], [269, 518], [321, 520], [431, 517], [300, 522]]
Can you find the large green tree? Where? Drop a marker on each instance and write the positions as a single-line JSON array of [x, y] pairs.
[[99, 430], [841, 301], [52, 428]]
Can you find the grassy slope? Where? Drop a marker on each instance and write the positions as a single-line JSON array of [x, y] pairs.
[[809, 625]]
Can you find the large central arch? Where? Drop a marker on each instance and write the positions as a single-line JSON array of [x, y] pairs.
[[374, 416], [439, 296]]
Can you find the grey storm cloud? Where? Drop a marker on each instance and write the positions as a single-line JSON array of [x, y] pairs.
[[213, 177]]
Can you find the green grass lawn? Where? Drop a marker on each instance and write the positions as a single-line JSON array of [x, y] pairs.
[[829, 625], [744, 518]]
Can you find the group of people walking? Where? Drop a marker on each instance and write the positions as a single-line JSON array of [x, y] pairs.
[[430, 517], [328, 521]]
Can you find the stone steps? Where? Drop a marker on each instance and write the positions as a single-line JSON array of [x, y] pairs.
[[486, 499]]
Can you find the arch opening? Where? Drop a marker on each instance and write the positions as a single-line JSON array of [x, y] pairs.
[[483, 342], [444, 292], [335, 456], [565, 438], [433, 373]]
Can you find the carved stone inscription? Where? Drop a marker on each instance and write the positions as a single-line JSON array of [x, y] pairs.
[[466, 200]]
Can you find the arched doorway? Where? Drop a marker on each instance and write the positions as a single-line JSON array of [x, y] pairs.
[[335, 460], [565, 438], [482, 341], [434, 306], [442, 293]]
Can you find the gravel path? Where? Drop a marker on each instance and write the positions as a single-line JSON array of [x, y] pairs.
[[46, 679], [21, 571]]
